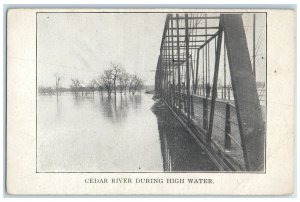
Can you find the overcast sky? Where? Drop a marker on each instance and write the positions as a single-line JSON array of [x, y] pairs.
[[82, 45]]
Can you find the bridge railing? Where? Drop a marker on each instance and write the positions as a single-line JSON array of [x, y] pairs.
[[225, 135]]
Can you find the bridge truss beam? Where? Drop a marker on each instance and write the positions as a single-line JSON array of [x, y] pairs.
[[182, 57]]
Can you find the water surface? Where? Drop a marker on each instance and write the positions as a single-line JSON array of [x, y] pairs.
[[87, 133]]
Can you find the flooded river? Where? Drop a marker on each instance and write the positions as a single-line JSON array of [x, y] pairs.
[[96, 134]]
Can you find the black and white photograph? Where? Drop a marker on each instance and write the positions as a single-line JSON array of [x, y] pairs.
[[151, 92]]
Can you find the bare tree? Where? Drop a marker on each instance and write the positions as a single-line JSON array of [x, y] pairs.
[[106, 80], [98, 84], [91, 86], [57, 82], [115, 72], [121, 83], [123, 80], [135, 84], [75, 84], [130, 83]]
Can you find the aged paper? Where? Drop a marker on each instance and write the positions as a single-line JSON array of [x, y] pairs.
[[150, 101]]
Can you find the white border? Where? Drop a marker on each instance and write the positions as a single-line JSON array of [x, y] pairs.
[[212, 4]]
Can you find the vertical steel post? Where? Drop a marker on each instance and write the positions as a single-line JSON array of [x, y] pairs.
[[178, 63], [160, 75], [225, 69], [173, 68], [222, 92], [227, 128], [206, 61], [163, 60], [187, 69], [208, 69], [204, 100], [162, 72], [254, 26], [169, 66], [203, 73], [215, 82], [166, 68], [192, 106], [166, 73], [165, 41], [197, 67], [157, 78], [192, 70], [206, 93]]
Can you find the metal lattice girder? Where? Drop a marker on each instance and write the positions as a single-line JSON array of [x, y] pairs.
[[215, 82], [245, 93]]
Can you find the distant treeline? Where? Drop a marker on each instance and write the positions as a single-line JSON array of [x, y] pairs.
[[113, 79]]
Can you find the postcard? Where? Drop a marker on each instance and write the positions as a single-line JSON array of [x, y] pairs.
[[150, 101]]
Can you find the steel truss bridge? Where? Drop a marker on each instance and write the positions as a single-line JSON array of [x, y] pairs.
[[225, 118]]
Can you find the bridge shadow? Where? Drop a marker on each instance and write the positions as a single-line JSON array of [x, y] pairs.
[[180, 151]]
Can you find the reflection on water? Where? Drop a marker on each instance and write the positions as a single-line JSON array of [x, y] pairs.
[[92, 133], [180, 150], [97, 134]]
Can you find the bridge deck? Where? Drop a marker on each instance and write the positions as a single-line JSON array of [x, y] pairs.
[[233, 153]]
